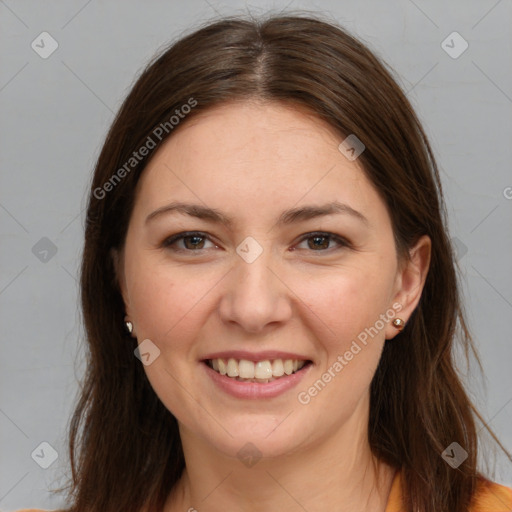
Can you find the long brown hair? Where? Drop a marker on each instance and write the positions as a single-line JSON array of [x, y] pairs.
[[125, 448]]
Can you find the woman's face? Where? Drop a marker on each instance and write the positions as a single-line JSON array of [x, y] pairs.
[[263, 288]]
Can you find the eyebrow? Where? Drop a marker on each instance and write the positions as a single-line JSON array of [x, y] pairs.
[[290, 216]]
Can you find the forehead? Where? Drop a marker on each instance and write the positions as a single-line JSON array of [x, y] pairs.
[[251, 156]]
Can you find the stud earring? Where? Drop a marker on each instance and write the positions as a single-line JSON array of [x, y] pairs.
[[129, 326], [399, 324]]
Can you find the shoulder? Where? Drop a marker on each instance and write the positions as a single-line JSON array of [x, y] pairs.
[[491, 497], [35, 510], [38, 510]]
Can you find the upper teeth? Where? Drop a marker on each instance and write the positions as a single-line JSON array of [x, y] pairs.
[[259, 369]]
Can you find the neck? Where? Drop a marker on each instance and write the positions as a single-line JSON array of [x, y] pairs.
[[339, 473]]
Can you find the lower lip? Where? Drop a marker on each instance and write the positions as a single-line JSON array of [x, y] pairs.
[[256, 390]]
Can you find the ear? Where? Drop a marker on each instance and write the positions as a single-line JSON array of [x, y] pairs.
[[410, 280], [118, 264]]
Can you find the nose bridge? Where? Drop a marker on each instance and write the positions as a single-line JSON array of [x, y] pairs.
[[255, 296]]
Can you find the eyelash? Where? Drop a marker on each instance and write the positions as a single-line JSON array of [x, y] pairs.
[[168, 242]]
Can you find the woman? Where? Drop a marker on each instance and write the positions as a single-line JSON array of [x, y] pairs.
[[269, 291]]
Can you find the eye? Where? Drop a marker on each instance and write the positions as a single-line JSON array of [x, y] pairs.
[[321, 240], [193, 241]]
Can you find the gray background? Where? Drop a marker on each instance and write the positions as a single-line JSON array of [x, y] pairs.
[[54, 116]]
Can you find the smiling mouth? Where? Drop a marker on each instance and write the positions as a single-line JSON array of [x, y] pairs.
[[259, 371]]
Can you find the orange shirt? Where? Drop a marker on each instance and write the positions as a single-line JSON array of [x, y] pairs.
[[491, 497]]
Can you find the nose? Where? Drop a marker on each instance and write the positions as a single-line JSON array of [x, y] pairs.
[[256, 295]]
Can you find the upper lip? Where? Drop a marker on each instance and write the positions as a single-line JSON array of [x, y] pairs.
[[255, 356]]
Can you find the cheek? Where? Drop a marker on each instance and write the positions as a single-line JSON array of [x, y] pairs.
[[350, 335], [167, 301], [347, 301]]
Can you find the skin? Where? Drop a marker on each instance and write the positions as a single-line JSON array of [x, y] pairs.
[[252, 161]]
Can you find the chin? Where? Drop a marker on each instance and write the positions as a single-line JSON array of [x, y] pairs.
[[265, 436]]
